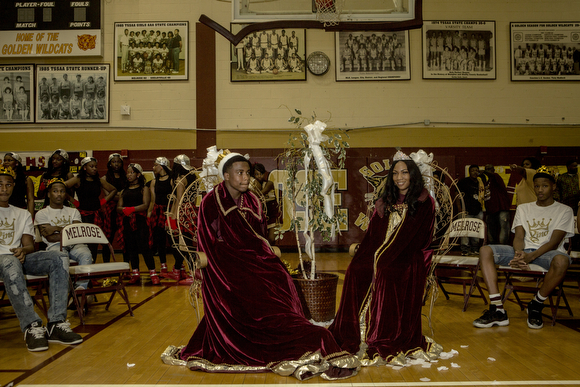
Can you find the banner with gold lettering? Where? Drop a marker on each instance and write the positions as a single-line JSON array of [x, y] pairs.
[[51, 28], [15, 44]]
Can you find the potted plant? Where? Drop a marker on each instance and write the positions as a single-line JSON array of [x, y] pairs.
[[312, 154]]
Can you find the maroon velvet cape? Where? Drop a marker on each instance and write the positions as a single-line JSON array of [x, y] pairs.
[[253, 316], [396, 285]]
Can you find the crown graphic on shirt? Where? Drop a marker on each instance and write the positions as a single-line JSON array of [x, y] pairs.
[[5, 224], [62, 221], [539, 225]]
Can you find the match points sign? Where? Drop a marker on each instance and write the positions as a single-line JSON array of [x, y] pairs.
[[51, 28]]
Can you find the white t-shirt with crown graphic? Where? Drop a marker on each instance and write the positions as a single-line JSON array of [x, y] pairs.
[[14, 222], [539, 223], [56, 217]]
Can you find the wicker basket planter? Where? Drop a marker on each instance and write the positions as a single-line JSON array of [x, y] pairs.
[[318, 296]]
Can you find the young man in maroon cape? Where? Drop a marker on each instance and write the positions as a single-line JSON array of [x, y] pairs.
[[253, 318]]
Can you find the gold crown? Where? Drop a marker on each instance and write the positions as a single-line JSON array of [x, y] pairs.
[[55, 180], [544, 169], [224, 153], [7, 171]]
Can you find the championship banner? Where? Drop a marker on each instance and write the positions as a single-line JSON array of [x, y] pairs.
[[50, 28]]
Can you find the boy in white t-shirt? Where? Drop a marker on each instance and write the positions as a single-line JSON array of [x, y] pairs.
[[54, 217], [540, 228], [17, 257]]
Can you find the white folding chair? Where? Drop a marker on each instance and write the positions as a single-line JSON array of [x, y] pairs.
[[461, 270], [89, 233]]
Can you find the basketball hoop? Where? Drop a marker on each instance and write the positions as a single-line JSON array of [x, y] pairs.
[[328, 11]]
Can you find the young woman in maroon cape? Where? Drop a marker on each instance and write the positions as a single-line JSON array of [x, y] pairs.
[[379, 317], [253, 319]]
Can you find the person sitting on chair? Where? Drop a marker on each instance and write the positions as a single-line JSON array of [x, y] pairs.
[[16, 257], [540, 229], [253, 320], [53, 218]]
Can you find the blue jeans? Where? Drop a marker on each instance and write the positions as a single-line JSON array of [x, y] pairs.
[[79, 253], [175, 53], [502, 255], [52, 263]]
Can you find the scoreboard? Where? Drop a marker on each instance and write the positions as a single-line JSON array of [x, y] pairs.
[[51, 28]]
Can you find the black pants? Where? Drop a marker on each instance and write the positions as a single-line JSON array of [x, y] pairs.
[[137, 242]]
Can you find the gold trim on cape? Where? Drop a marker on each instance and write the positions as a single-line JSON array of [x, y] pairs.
[[235, 207], [400, 359], [311, 364], [396, 218]]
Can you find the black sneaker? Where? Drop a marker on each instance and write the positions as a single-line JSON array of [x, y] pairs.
[[492, 317], [35, 337], [61, 333], [535, 315]]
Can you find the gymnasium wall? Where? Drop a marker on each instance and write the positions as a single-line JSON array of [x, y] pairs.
[[250, 115], [470, 122]]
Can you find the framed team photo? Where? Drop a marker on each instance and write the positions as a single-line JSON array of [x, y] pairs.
[[17, 94], [545, 51], [269, 55], [372, 56], [151, 51], [459, 49], [72, 93]]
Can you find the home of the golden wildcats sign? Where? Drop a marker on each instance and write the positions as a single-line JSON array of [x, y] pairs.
[[51, 28]]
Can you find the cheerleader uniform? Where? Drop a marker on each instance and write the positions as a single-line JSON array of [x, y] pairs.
[[110, 217], [158, 221], [134, 231], [88, 194]]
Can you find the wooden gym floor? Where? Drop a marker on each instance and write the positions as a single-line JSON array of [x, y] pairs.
[[119, 349]]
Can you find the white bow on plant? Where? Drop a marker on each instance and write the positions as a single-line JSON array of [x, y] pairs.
[[423, 161], [315, 137], [209, 173]]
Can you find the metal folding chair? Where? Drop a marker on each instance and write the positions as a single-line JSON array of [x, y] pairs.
[[113, 271], [461, 270]]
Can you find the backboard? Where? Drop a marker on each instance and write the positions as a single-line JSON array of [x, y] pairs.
[[252, 11]]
